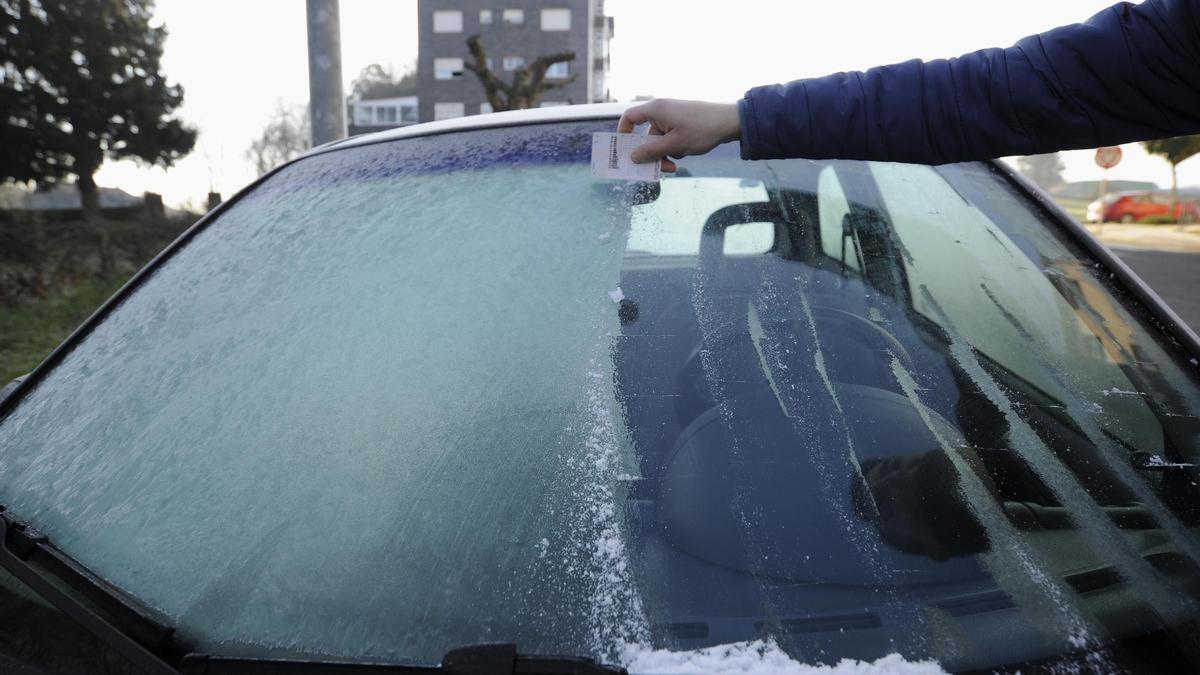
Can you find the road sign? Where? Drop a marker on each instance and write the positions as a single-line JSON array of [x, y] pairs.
[[1108, 157]]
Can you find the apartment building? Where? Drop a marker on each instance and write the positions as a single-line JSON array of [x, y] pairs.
[[513, 32]]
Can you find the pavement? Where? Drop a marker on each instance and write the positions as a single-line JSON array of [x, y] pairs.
[[1174, 276], [1167, 257]]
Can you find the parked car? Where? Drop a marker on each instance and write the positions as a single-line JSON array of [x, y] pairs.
[[1131, 207], [436, 387]]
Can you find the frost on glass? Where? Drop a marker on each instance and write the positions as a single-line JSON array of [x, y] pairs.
[[763, 416], [363, 414], [914, 416]]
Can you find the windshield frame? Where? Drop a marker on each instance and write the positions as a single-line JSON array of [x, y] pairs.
[[1149, 307]]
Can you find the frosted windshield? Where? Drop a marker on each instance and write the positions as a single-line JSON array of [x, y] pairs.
[[366, 413], [439, 391]]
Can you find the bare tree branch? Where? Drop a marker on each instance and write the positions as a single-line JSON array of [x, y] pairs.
[[528, 82]]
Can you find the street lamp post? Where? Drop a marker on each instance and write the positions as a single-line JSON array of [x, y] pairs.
[[327, 106]]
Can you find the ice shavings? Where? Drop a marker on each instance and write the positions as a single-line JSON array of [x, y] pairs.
[[615, 616], [1014, 566], [617, 296], [1094, 523], [1157, 462], [745, 658], [1114, 391]]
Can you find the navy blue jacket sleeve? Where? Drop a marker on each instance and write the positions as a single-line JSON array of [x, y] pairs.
[[1131, 72]]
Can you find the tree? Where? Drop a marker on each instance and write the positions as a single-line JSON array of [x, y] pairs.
[[1174, 150], [1046, 171], [528, 82], [375, 81], [286, 136], [80, 81]]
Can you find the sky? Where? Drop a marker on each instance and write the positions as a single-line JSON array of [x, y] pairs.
[[239, 61]]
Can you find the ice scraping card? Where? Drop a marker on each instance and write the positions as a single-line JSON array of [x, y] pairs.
[[610, 158]]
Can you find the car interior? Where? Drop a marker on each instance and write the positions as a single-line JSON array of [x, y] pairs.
[[762, 401]]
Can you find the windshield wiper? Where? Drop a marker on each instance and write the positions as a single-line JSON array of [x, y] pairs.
[[138, 634], [148, 641], [481, 659]]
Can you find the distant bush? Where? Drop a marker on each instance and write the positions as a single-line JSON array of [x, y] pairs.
[[1161, 219], [40, 255]]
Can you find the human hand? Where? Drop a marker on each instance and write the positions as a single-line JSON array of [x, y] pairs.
[[686, 127]]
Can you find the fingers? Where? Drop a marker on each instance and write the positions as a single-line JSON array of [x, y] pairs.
[[653, 150], [632, 117]]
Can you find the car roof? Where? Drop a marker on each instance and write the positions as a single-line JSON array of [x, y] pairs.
[[563, 113]]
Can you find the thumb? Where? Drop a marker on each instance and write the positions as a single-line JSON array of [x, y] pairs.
[[652, 150]]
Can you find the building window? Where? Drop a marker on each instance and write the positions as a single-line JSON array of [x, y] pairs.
[[556, 19], [385, 114], [362, 115], [408, 113], [513, 16], [485, 17], [447, 68], [449, 110], [513, 62], [552, 104], [485, 108], [558, 71], [447, 21]]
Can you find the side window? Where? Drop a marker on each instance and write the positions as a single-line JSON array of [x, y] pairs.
[[832, 210], [749, 238], [556, 19], [362, 114], [448, 110], [447, 68], [513, 16], [447, 21]]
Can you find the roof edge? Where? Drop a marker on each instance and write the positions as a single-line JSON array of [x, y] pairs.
[[563, 113]]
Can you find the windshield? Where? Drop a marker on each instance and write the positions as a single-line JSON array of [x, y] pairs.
[[417, 394]]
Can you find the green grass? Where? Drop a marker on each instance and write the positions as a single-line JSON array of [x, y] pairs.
[[31, 330], [1076, 207]]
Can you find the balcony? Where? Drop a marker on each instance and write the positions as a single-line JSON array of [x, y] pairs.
[[603, 24]]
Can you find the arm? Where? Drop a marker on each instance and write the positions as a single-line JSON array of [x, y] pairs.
[[1128, 73]]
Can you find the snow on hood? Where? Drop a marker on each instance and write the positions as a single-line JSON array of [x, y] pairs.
[[745, 658]]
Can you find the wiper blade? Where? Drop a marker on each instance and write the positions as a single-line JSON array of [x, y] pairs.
[[481, 659], [138, 634]]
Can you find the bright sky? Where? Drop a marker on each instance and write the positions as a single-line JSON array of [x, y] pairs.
[[238, 60]]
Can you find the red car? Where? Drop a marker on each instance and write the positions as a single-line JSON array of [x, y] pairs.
[[1131, 207]]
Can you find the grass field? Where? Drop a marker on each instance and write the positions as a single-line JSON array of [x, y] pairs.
[[1076, 207], [31, 330]]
